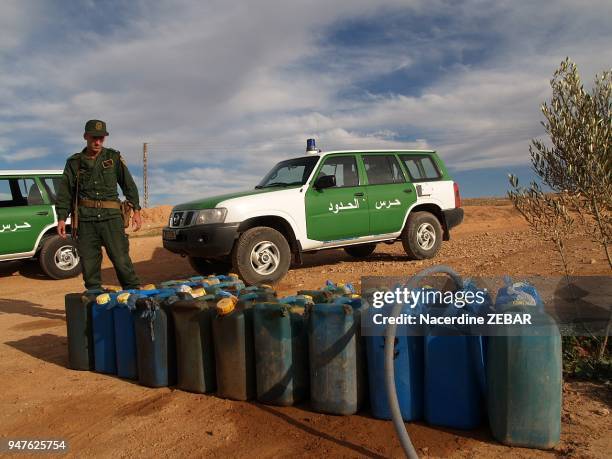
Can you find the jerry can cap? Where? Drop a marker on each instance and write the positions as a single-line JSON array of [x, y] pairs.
[[184, 288], [226, 305], [198, 292], [123, 298], [103, 298]]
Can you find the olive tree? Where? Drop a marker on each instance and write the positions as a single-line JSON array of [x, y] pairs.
[[576, 161], [546, 214]]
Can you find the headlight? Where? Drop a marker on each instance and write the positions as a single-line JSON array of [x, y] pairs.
[[211, 216]]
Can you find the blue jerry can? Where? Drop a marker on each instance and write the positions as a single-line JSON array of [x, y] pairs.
[[524, 373], [103, 327], [125, 338], [408, 368], [454, 371]]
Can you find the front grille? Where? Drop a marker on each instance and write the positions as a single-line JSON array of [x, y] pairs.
[[188, 218], [177, 219], [182, 218]]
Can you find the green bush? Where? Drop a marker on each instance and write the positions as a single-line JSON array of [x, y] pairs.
[[580, 359]]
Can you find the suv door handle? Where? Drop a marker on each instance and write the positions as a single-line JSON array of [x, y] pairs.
[[408, 190], [358, 194], [43, 212]]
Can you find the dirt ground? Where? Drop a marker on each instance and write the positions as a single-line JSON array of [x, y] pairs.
[[102, 415]]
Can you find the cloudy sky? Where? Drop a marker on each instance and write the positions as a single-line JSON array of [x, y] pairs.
[[222, 90]]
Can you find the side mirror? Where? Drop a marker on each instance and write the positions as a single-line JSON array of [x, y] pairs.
[[325, 181]]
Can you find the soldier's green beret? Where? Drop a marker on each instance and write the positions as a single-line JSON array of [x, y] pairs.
[[96, 128]]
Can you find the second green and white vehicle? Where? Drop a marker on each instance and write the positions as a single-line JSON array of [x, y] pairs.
[[28, 223], [323, 200]]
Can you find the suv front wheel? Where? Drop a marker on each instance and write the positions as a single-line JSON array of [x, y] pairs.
[[261, 254], [422, 236], [59, 258]]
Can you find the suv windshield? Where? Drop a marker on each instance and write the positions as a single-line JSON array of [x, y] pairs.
[[290, 172]]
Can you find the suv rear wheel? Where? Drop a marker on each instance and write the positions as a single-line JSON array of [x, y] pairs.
[[361, 250], [206, 267], [422, 236], [261, 254], [59, 258]]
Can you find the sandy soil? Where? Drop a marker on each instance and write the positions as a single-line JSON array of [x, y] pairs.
[[105, 416]]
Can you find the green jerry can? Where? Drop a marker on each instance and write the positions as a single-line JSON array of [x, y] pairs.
[[79, 330], [338, 378], [281, 351], [195, 357], [524, 373], [234, 350], [155, 340]]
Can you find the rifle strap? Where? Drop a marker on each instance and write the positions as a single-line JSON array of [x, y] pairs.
[[75, 211]]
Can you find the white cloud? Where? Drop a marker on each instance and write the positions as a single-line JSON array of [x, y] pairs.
[[25, 154]]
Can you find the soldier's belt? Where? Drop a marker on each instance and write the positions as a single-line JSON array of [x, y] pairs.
[[99, 204]]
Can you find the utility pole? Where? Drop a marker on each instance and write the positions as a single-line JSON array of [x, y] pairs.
[[145, 185]]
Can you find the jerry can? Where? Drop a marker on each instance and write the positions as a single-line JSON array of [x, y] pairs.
[[232, 327], [408, 363], [125, 336], [103, 327], [337, 358], [524, 373], [454, 373], [281, 351], [194, 344], [79, 331], [155, 340]]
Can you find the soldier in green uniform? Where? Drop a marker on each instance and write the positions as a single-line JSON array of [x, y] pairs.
[[98, 171]]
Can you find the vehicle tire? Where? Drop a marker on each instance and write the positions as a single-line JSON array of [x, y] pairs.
[[206, 267], [59, 258], [261, 255], [422, 236], [361, 250]]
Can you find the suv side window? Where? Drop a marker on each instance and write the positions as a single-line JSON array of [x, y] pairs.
[[6, 196], [51, 185], [344, 168], [421, 168], [382, 169], [15, 192]]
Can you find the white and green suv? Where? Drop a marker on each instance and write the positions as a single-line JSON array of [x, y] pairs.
[[348, 199], [28, 223]]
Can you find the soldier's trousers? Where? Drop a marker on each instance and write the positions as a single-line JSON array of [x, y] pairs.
[[110, 234]]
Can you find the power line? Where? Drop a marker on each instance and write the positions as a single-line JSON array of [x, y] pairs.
[[145, 184]]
